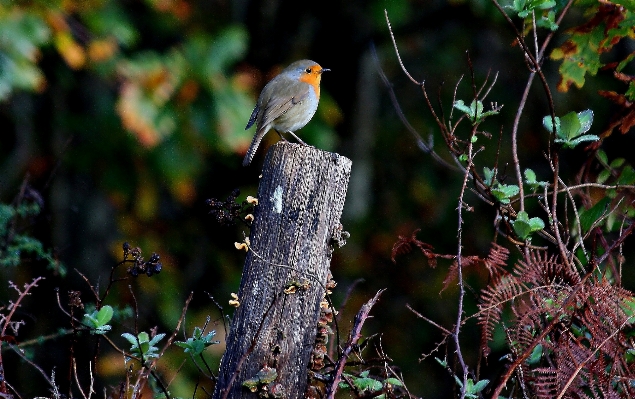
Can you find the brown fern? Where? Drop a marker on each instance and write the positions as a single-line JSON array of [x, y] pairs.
[[493, 300], [496, 259], [405, 245], [584, 353], [544, 381], [453, 271]]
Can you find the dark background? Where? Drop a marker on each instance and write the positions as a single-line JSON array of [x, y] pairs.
[[127, 146]]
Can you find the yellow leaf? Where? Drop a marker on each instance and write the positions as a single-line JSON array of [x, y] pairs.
[[71, 52]]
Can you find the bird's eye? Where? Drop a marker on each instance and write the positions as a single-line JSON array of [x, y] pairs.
[[308, 70]]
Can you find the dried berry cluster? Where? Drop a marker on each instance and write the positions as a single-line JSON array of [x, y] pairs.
[[227, 212], [139, 265]]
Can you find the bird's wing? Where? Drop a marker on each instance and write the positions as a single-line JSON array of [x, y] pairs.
[[280, 105]]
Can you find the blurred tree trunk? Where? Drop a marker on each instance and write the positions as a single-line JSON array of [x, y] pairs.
[[301, 197]]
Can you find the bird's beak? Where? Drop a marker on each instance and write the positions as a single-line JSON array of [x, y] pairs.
[[324, 70]]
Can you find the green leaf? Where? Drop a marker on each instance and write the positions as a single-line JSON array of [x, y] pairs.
[[523, 226], [104, 315], [142, 346], [228, 47], [368, 384], [22, 34], [460, 105], [580, 54], [489, 176], [393, 381], [589, 216], [504, 192], [156, 339], [536, 224], [601, 155], [569, 126], [475, 111], [472, 389], [111, 20], [198, 342], [578, 140], [603, 176], [130, 338], [630, 92], [579, 57], [628, 307], [98, 321], [530, 179], [616, 163], [458, 381], [443, 363], [530, 176], [548, 21], [479, 386], [627, 177], [586, 119], [536, 355], [547, 122]]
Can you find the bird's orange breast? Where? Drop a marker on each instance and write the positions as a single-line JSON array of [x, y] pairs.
[[313, 78]]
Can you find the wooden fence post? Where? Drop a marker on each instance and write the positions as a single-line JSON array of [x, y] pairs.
[[273, 331]]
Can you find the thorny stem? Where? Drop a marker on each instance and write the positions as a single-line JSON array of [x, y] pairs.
[[519, 112], [535, 62], [564, 253], [459, 317], [521, 106], [7, 321], [536, 69]]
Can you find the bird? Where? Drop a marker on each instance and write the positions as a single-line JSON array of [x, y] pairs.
[[287, 103]]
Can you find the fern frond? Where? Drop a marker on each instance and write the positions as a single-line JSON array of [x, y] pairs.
[[493, 300]]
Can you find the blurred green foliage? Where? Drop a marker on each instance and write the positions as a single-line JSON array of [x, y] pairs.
[[16, 242]]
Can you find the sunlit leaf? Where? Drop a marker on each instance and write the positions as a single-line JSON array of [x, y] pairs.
[[580, 54]]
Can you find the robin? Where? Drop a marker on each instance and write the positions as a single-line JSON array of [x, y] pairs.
[[287, 103]]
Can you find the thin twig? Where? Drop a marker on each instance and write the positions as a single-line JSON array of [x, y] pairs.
[[419, 315], [577, 221], [617, 243], [354, 336], [35, 366], [459, 317], [427, 149], [220, 309], [392, 36]]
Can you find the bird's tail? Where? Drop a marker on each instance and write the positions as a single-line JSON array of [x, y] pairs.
[[253, 147]]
